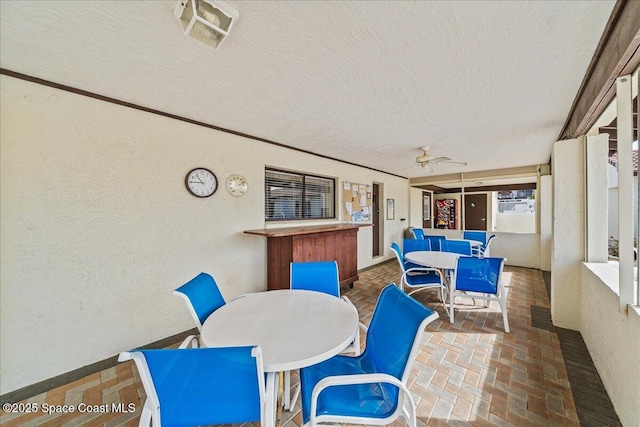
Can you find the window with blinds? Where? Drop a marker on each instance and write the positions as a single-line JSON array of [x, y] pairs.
[[294, 196]]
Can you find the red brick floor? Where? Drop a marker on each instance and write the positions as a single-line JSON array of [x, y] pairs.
[[467, 374]]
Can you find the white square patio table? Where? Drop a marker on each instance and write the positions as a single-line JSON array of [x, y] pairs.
[[294, 328]]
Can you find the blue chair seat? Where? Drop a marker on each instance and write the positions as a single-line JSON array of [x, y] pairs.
[[408, 265], [482, 276], [478, 284], [370, 388], [422, 278], [374, 400]]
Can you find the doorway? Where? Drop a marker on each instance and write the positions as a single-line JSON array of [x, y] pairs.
[[427, 198], [475, 212], [375, 213]]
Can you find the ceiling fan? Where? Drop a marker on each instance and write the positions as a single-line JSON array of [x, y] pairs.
[[426, 160]]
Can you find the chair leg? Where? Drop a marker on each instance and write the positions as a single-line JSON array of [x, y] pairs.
[[503, 308], [294, 398], [286, 399], [356, 342], [451, 298], [145, 416], [409, 412]]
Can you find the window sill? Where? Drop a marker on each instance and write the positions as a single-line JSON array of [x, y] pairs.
[[608, 273]]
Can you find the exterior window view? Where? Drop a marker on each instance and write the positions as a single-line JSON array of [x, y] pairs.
[[612, 169], [305, 213]]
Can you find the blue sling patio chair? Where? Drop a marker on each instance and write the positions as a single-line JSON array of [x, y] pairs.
[[480, 236], [319, 276], [370, 388], [410, 245], [200, 386], [485, 249], [479, 278], [202, 296], [418, 233], [436, 241], [457, 246], [416, 277]]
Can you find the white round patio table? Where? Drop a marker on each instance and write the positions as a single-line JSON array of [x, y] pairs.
[[437, 259], [294, 328], [474, 243]]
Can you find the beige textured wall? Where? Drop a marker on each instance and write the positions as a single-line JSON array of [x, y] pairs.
[[97, 228], [613, 339], [568, 233], [545, 199]]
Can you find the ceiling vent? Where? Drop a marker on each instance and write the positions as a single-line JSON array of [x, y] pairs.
[[208, 21]]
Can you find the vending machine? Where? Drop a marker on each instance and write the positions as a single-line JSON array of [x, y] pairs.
[[446, 214]]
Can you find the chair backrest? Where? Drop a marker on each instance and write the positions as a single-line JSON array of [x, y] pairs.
[[394, 333], [412, 245], [202, 386], [457, 246], [479, 274], [202, 297], [436, 241], [321, 276], [489, 240], [396, 249], [480, 236], [418, 233]]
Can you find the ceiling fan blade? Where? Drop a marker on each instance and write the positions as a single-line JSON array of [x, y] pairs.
[[439, 160], [454, 163]]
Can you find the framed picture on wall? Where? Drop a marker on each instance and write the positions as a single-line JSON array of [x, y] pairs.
[[426, 207], [390, 209]]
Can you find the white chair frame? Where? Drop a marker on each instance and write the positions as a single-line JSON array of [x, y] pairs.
[[406, 404], [500, 297], [151, 410]]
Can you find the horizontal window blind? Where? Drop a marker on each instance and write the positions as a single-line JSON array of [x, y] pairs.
[[291, 196]]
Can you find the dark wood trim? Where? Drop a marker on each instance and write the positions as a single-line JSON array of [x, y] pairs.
[[506, 187], [68, 377], [617, 54], [173, 116]]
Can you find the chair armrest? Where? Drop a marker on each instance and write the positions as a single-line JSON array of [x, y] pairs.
[[362, 327], [191, 339], [124, 356], [338, 380], [348, 301], [423, 270]]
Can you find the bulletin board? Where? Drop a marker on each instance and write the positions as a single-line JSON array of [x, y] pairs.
[[356, 202]]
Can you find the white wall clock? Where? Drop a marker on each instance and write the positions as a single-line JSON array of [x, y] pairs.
[[201, 182], [237, 185]]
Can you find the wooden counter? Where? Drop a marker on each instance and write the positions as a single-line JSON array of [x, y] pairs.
[[337, 242]]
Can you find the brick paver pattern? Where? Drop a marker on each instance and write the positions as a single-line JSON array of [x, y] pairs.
[[470, 373]]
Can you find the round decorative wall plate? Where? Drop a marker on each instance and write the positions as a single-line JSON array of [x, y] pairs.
[[237, 185]]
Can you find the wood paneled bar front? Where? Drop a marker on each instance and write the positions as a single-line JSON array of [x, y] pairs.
[[337, 242]]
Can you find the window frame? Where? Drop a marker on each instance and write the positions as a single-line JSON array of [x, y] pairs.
[[301, 201]]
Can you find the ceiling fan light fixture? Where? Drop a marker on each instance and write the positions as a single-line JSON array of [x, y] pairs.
[[423, 158], [208, 21]]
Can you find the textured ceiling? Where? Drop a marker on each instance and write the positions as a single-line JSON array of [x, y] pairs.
[[487, 83]]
